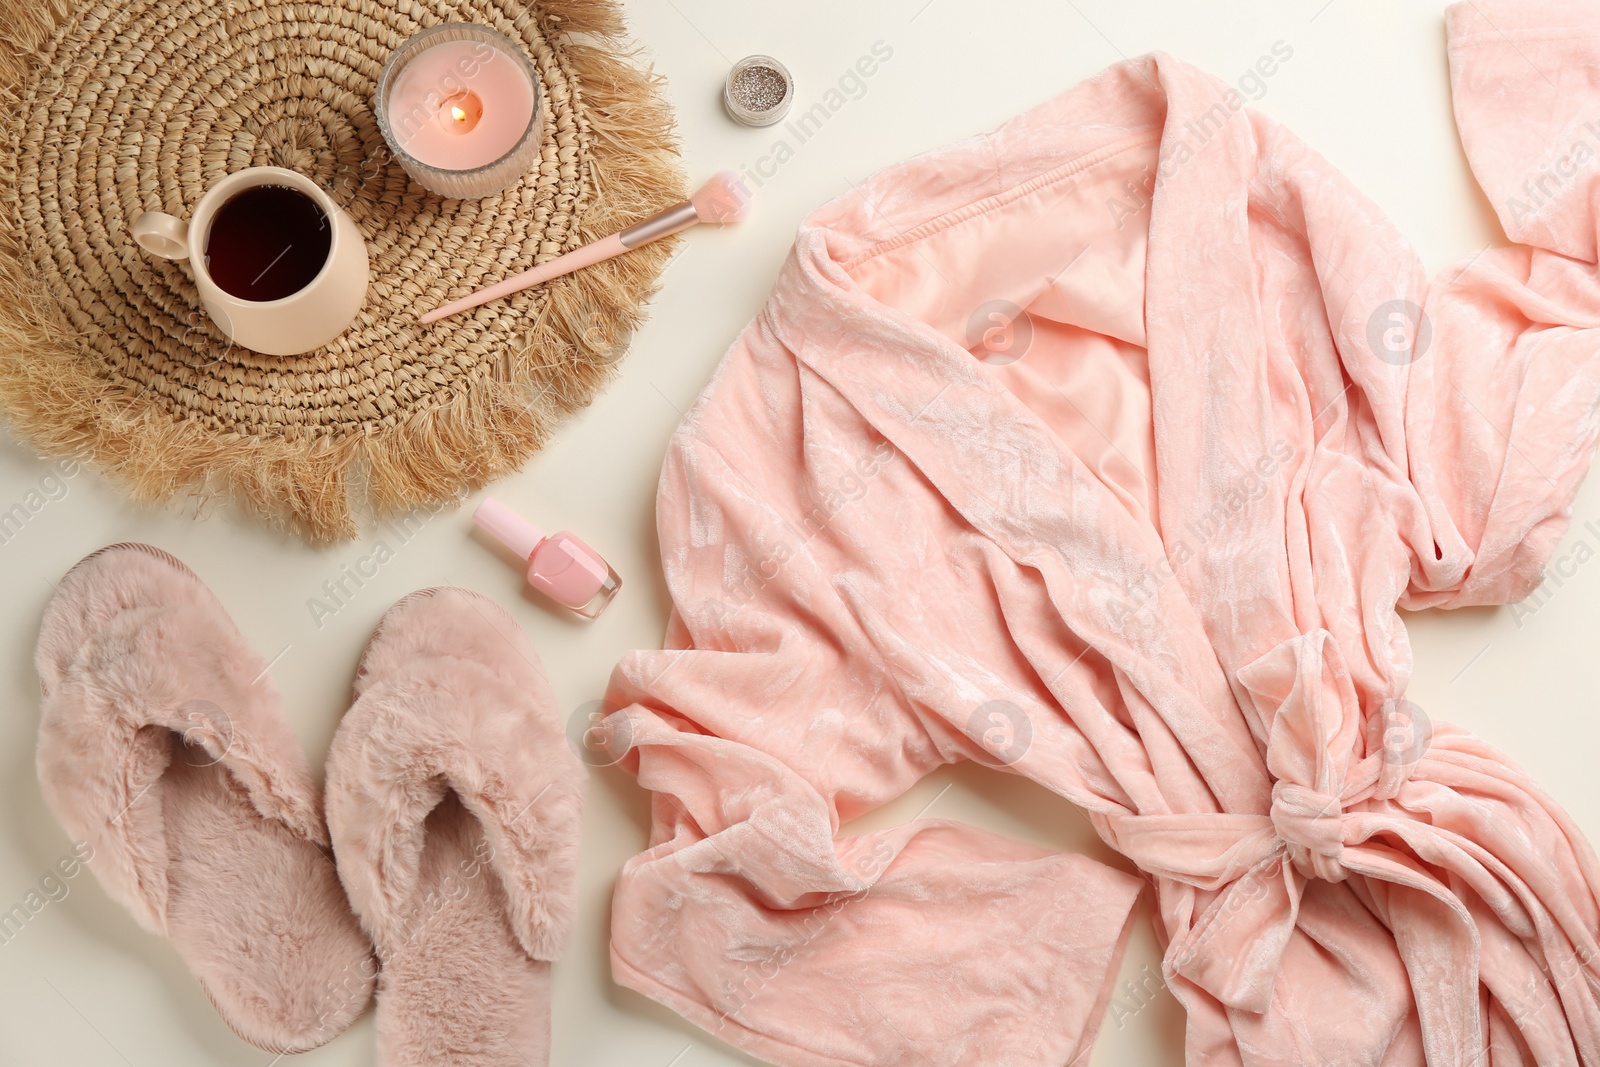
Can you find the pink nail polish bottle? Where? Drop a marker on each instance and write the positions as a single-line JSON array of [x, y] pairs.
[[560, 566]]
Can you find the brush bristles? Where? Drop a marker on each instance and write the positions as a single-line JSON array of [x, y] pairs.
[[722, 199]]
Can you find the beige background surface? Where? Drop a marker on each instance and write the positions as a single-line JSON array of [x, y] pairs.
[[1366, 86]]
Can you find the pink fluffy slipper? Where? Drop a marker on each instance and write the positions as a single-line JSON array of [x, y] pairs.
[[454, 804], [162, 747]]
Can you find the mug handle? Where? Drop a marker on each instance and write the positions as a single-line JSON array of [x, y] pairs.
[[162, 234]]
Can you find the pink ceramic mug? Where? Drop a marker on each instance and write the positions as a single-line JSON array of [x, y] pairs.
[[307, 318]]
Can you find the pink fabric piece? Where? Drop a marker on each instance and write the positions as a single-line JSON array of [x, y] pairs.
[[1154, 565]]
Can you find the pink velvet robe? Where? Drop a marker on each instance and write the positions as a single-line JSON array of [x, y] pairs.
[[1154, 565]]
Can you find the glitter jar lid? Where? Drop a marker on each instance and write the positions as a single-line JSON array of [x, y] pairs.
[[758, 91]]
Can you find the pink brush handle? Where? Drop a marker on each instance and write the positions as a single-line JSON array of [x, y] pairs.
[[577, 259]]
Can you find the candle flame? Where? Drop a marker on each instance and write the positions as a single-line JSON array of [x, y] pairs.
[[458, 114]]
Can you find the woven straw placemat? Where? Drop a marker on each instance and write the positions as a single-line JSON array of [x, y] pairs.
[[115, 108]]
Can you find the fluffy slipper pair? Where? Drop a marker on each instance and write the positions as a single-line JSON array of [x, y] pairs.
[[453, 807]]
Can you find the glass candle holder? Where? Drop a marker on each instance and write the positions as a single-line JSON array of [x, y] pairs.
[[458, 105]]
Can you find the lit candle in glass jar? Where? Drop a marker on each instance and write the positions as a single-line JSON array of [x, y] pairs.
[[459, 105]]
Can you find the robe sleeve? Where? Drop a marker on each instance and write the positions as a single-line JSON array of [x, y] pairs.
[[1504, 375], [765, 723]]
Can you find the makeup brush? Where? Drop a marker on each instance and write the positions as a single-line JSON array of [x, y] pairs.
[[719, 201]]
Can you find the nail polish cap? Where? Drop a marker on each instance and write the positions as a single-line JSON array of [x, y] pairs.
[[507, 527]]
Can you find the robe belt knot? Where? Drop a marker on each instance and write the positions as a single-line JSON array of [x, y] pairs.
[[1322, 770], [1311, 826]]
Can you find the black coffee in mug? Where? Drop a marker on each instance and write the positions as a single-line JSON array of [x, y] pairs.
[[268, 242]]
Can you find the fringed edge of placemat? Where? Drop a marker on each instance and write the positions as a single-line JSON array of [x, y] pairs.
[[55, 403]]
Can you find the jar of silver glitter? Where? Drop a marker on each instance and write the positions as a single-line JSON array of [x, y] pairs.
[[758, 91]]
